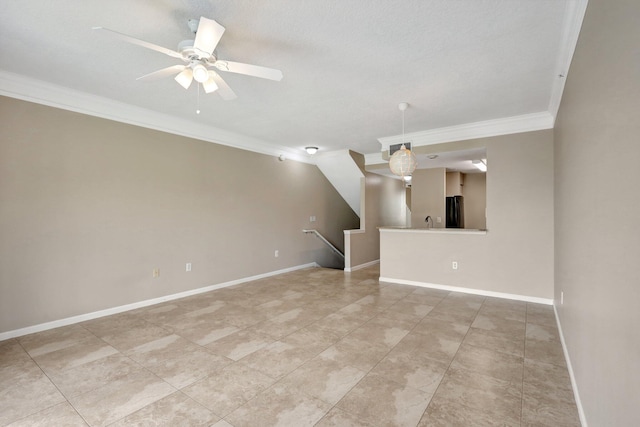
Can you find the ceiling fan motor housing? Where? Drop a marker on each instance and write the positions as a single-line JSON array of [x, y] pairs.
[[190, 53]]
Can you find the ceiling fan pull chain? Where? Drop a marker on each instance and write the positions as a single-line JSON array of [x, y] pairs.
[[198, 101]]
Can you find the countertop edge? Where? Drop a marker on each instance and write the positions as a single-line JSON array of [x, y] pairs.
[[433, 230]]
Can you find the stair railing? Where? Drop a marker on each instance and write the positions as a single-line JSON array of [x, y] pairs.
[[326, 242]]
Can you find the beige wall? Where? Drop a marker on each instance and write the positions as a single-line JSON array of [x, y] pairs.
[[428, 188], [516, 255], [455, 182], [383, 204], [597, 209], [89, 207], [475, 200]]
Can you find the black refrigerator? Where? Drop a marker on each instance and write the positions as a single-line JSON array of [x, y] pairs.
[[455, 212]]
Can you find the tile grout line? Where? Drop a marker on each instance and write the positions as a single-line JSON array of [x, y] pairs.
[[53, 384], [138, 364], [455, 354], [341, 338], [377, 363], [277, 381], [367, 372]]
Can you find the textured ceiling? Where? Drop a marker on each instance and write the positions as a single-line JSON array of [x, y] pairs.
[[346, 64]]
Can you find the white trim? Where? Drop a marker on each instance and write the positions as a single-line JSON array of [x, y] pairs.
[[354, 231], [374, 159], [503, 126], [37, 91], [537, 300], [574, 385], [140, 304], [573, 17], [433, 230], [361, 266]]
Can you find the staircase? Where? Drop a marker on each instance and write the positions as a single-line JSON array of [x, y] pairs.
[[331, 258], [344, 174]]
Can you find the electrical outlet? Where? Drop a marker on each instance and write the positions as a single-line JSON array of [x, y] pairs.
[[312, 218], [188, 267], [454, 265], [276, 253], [156, 272], [439, 220]]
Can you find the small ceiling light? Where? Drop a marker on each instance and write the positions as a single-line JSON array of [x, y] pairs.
[[403, 162], [480, 164], [200, 73], [407, 178], [311, 150]]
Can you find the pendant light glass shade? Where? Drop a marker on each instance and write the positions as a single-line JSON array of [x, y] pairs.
[[403, 162]]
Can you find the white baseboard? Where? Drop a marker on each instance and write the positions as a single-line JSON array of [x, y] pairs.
[[574, 386], [361, 266], [538, 300], [115, 310]]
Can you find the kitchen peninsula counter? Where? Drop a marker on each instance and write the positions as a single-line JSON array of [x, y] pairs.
[[433, 230], [458, 259]]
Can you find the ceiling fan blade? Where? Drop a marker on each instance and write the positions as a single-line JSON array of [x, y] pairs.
[[142, 43], [185, 78], [208, 35], [223, 88], [163, 73], [249, 70]]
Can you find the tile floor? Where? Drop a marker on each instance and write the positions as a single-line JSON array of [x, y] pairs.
[[312, 347]]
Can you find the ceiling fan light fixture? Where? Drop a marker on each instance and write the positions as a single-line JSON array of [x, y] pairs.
[[200, 73], [210, 85], [185, 78], [199, 54], [311, 150]]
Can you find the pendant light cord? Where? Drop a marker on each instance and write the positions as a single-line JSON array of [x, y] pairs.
[[403, 129]]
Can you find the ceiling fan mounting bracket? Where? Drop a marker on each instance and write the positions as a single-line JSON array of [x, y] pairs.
[[193, 25]]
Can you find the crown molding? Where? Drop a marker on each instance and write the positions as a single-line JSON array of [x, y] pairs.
[[37, 91], [504, 126], [374, 159], [40, 92], [573, 18]]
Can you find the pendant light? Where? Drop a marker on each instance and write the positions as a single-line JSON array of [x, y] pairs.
[[403, 162]]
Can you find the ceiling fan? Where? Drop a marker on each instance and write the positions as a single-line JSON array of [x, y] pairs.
[[199, 55]]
